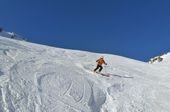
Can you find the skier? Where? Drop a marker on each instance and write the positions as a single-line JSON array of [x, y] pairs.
[[100, 61]]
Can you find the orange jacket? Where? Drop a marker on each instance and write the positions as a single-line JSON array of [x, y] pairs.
[[100, 61]]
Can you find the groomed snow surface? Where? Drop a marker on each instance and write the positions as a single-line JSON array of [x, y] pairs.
[[37, 78]]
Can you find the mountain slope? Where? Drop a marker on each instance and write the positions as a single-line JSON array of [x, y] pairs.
[[37, 78]]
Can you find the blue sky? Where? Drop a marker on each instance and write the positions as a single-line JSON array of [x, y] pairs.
[[137, 29]]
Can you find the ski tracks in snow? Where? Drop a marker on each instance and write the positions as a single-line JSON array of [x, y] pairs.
[[19, 77], [112, 87], [57, 88]]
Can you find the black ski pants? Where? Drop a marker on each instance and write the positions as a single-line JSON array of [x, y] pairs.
[[98, 67]]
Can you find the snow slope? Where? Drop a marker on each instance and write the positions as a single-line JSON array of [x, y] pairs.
[[37, 78]]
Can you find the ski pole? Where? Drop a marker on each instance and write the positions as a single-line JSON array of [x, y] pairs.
[[105, 67]]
